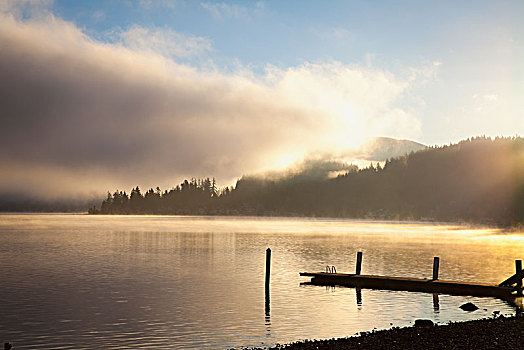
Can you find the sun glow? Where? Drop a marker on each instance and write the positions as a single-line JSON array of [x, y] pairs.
[[286, 160]]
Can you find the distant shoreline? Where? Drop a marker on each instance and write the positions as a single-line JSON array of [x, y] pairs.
[[494, 333], [515, 228]]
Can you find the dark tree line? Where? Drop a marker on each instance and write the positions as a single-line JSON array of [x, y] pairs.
[[196, 196], [476, 180]]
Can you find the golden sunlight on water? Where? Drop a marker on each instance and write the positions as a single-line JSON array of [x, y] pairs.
[[78, 281]]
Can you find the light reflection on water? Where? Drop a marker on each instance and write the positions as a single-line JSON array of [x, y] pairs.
[[77, 281]]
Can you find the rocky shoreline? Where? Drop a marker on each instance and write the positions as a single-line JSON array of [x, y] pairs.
[[501, 332]]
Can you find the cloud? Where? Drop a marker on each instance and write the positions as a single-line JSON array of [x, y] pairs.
[[424, 73], [164, 41], [25, 8], [224, 10], [354, 102], [486, 97], [79, 115]]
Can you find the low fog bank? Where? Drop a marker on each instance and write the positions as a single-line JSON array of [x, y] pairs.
[[80, 115], [315, 167], [379, 149], [22, 202], [374, 151]]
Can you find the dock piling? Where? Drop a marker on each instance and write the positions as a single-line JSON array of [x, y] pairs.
[[359, 263], [436, 261], [268, 274], [268, 267], [518, 269]]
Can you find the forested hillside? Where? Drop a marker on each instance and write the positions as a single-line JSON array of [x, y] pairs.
[[476, 180]]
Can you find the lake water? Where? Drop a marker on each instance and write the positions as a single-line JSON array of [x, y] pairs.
[[121, 282]]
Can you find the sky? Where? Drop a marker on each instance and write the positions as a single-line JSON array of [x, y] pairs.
[[98, 95]]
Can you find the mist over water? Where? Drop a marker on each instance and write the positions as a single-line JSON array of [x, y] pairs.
[[82, 282]]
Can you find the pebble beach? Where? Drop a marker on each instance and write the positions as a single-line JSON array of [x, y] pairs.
[[495, 333]]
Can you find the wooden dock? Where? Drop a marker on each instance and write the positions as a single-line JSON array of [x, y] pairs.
[[408, 284], [508, 289]]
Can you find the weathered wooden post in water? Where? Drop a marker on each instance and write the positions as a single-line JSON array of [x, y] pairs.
[[268, 275], [518, 269], [436, 261], [359, 263], [268, 267]]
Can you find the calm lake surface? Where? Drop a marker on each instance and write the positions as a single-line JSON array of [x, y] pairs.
[[121, 282]]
